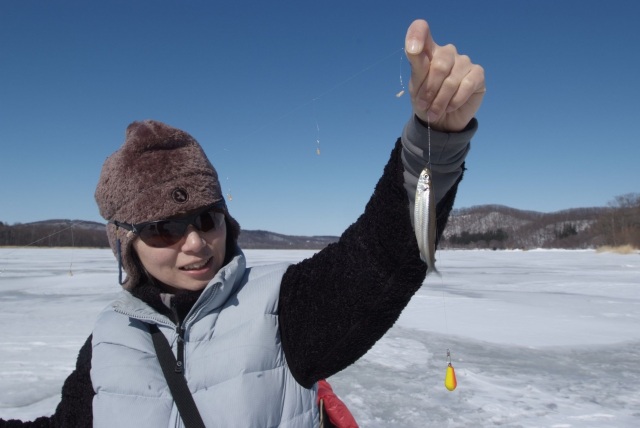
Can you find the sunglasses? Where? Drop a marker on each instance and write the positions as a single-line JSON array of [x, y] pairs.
[[164, 233]]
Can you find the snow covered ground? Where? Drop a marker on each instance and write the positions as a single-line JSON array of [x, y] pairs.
[[537, 338]]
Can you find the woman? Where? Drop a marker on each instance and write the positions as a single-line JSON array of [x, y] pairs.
[[253, 343]]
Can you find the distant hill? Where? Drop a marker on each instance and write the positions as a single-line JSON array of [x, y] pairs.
[[78, 233], [484, 226], [54, 233], [497, 226], [260, 239]]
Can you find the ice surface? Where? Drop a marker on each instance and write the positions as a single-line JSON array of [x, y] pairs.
[[538, 338]]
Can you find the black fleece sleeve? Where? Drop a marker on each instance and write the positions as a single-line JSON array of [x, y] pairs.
[[337, 304], [75, 407]]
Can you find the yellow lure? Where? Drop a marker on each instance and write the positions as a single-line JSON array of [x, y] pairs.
[[450, 381]]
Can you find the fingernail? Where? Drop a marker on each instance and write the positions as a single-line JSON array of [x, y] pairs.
[[413, 46], [433, 116]]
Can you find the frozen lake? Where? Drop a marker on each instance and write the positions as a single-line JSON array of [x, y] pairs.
[[538, 338]]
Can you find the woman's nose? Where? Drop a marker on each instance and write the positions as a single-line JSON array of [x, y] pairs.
[[193, 240]]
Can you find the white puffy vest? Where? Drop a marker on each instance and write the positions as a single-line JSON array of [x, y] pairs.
[[234, 362]]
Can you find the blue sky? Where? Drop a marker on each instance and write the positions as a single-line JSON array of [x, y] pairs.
[[252, 81]]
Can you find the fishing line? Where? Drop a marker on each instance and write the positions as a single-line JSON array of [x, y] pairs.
[[450, 381], [312, 101], [270, 123], [367, 68], [73, 246], [321, 95], [401, 92], [73, 224], [317, 128], [22, 247], [429, 141], [229, 196]]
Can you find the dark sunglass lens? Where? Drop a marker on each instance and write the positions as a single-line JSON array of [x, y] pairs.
[[162, 233], [168, 232], [206, 221]]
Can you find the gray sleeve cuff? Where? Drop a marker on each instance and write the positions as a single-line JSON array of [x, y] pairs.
[[446, 156]]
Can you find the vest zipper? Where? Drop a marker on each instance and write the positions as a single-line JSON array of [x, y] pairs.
[[180, 331]]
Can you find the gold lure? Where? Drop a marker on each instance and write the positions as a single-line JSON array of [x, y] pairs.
[[450, 381]]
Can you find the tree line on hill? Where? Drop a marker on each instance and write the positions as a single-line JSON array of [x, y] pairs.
[[499, 227], [76, 233], [485, 226], [54, 233]]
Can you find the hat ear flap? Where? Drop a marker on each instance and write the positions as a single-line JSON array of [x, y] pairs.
[[119, 255]]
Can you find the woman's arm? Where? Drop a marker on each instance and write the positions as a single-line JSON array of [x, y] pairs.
[[337, 304]]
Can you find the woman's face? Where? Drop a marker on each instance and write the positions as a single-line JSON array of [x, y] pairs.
[[188, 264]]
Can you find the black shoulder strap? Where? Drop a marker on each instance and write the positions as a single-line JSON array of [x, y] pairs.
[[176, 381]]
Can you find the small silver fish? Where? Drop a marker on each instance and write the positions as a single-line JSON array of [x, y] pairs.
[[424, 219]]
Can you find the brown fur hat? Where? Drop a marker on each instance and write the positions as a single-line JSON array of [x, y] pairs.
[[158, 173]]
